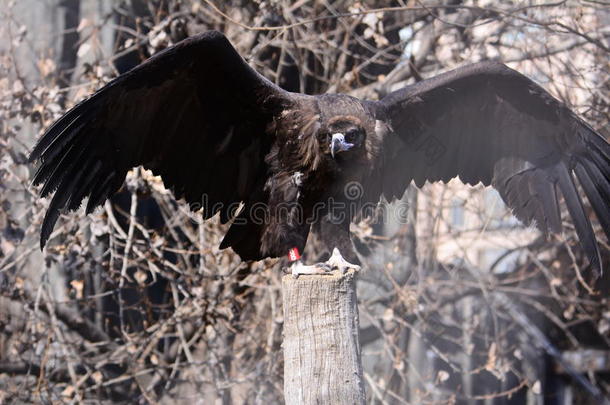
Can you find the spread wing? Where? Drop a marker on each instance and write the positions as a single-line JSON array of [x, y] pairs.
[[487, 123], [196, 114]]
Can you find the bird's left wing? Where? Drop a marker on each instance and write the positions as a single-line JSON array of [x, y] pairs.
[[487, 123], [196, 114]]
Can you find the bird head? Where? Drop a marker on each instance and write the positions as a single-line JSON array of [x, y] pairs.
[[344, 134]]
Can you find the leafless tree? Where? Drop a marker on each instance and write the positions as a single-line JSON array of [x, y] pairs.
[[135, 304]]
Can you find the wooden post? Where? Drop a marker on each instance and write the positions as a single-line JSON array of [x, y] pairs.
[[322, 363]]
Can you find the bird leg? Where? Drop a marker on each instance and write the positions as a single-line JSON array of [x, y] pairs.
[[298, 269], [336, 261]]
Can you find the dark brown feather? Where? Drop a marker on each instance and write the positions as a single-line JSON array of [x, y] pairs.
[[186, 113], [498, 127]]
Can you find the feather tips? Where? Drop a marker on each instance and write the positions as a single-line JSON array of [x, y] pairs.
[[581, 221], [496, 123], [600, 206], [170, 114]]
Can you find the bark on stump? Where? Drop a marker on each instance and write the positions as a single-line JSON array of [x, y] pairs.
[[322, 363]]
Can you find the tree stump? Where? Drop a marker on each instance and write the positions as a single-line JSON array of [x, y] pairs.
[[322, 363]]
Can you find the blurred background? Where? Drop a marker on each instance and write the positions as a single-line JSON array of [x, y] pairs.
[[459, 302]]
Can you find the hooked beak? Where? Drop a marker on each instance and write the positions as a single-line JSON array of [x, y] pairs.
[[338, 144]]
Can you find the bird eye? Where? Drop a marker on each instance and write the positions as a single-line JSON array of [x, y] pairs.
[[352, 134]]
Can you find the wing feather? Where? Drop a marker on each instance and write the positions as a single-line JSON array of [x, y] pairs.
[[577, 212], [599, 204], [498, 127], [99, 193], [187, 114]]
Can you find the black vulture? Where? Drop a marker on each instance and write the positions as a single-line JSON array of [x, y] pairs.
[[276, 163]]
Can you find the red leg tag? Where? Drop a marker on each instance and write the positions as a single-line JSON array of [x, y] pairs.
[[293, 254]]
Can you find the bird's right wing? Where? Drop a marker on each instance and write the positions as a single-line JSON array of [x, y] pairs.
[[196, 114]]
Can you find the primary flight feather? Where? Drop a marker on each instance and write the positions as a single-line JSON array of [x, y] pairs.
[[219, 134]]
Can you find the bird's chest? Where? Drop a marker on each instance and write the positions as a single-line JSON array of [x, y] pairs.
[[328, 187]]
